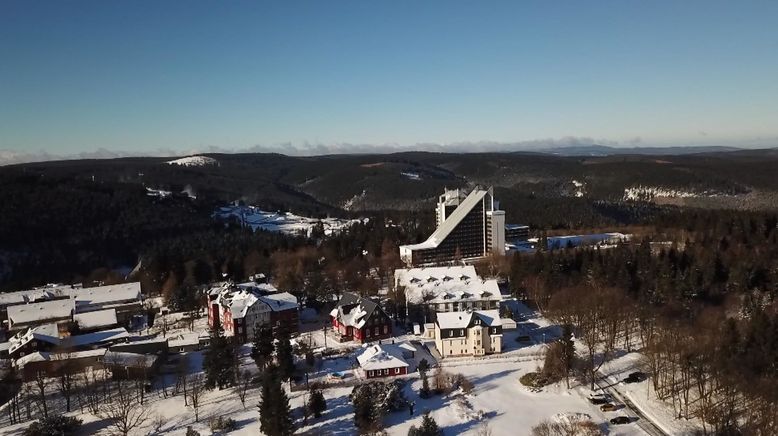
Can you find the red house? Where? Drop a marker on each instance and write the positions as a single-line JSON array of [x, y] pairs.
[[360, 319], [386, 360], [242, 310]]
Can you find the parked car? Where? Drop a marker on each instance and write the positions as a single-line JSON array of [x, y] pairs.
[[609, 407], [635, 377], [336, 376], [598, 400], [621, 420]]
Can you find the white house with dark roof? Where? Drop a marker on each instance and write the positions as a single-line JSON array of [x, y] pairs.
[[475, 333]]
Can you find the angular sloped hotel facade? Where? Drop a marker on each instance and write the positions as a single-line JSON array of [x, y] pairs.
[[469, 227]]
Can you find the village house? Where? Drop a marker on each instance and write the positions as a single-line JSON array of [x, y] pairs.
[[385, 360], [48, 338], [360, 319], [475, 333], [445, 289], [243, 309]]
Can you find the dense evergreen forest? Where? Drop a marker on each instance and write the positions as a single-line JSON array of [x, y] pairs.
[[698, 298]]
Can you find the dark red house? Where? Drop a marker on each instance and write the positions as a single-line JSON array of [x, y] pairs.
[[360, 319]]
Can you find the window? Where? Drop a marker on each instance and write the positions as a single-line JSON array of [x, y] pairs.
[[386, 329], [451, 333], [478, 322], [461, 332], [377, 332], [397, 370], [386, 372], [368, 332]]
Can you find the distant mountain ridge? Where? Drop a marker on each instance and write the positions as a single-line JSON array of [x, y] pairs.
[[604, 150]]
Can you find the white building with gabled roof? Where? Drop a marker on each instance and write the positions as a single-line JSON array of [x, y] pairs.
[[475, 333], [447, 288]]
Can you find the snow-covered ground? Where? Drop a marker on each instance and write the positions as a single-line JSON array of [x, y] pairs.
[[193, 161], [497, 401], [648, 193], [283, 222]]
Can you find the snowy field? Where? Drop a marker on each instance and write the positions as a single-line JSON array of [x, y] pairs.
[[283, 222]]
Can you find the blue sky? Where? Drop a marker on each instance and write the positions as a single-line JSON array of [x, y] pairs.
[[144, 76]]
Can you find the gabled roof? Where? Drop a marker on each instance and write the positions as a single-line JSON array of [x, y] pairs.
[[353, 310], [239, 298], [382, 357], [461, 320]]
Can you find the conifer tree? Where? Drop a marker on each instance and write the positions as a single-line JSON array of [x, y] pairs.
[[274, 413], [218, 360], [285, 356], [428, 427], [317, 404], [263, 347]]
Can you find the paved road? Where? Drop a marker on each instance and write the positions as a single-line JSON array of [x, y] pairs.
[[643, 422]]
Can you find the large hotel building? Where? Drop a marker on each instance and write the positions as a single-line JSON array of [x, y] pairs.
[[468, 227]]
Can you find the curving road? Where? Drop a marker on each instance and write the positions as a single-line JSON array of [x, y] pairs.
[[643, 422]]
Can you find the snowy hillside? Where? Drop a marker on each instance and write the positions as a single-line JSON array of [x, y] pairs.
[[193, 161], [283, 222]]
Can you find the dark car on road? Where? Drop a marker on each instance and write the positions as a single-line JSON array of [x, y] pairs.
[[598, 400], [621, 420], [636, 377]]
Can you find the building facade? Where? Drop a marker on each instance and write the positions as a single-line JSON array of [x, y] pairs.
[[243, 310], [469, 227], [475, 333], [360, 319]]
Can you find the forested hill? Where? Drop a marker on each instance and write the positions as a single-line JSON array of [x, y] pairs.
[[69, 217]]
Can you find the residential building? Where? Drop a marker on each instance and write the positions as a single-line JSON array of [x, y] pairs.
[[475, 333], [446, 289], [24, 316], [360, 319], [469, 227], [243, 309], [385, 360], [49, 338]]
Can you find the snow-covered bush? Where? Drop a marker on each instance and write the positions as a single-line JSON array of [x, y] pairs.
[[54, 426]]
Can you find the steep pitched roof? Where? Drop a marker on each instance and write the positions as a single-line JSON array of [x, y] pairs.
[[353, 310], [460, 320]]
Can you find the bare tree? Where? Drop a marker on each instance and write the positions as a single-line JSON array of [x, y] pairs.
[[196, 389], [244, 383], [41, 383], [125, 412]]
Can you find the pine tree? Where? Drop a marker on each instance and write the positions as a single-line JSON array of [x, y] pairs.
[[274, 413], [567, 354], [425, 385], [428, 427], [218, 360], [285, 356], [317, 404], [263, 347]]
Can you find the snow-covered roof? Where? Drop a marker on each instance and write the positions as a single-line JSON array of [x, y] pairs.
[[239, 298], [183, 340], [46, 333], [136, 360], [460, 320], [383, 357], [96, 337], [96, 319], [40, 356], [102, 295], [445, 284], [353, 310], [39, 312], [42, 293]]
